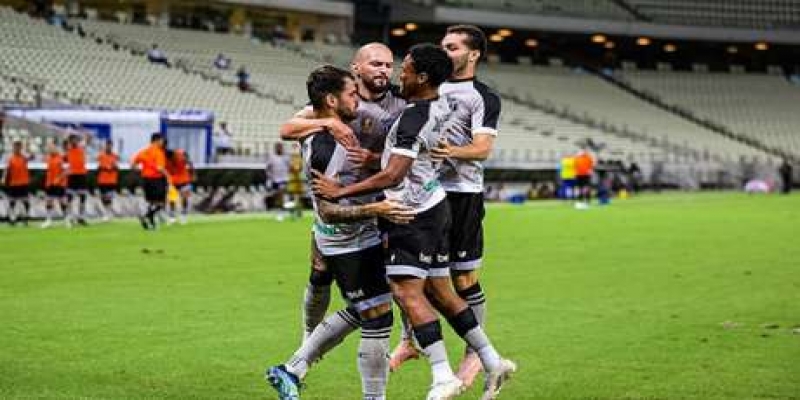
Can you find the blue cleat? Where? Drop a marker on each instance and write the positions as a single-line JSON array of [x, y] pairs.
[[284, 382]]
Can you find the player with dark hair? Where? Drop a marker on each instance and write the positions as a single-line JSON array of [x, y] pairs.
[[417, 261], [151, 161], [379, 106], [16, 179], [181, 173], [55, 183], [77, 181], [347, 237], [107, 178]]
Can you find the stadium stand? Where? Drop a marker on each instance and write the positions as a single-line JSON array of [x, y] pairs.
[[759, 14], [551, 110], [762, 107], [602, 9], [583, 94]]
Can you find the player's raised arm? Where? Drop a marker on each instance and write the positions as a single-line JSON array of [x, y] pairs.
[[303, 124]]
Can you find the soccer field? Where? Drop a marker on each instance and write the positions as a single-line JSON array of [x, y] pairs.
[[672, 296]]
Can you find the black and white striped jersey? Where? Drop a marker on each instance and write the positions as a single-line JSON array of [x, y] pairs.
[[417, 131], [322, 153]]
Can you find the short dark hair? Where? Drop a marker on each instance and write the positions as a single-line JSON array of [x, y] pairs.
[[326, 80], [476, 39], [433, 61], [156, 136]]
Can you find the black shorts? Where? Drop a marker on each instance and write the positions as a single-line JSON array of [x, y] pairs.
[[55, 192], [419, 248], [583, 180], [17, 192], [107, 190], [466, 230], [361, 277], [155, 190], [77, 183]]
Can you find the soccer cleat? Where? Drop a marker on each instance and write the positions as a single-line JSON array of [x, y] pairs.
[[46, 224], [403, 352], [183, 220], [470, 368], [82, 222], [496, 379], [446, 390], [284, 382], [144, 222]]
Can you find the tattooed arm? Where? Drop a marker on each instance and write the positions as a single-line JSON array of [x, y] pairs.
[[336, 213]]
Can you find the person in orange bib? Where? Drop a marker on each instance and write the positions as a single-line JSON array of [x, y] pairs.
[[76, 179], [16, 179], [181, 172], [55, 184], [151, 162], [584, 166], [107, 178]]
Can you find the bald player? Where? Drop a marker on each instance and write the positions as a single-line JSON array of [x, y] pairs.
[[379, 107]]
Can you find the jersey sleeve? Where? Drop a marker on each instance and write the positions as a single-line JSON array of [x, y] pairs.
[[486, 113], [409, 127], [322, 148]]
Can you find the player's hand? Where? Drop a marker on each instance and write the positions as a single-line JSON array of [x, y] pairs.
[[395, 212], [342, 133], [324, 186], [442, 150], [360, 157]]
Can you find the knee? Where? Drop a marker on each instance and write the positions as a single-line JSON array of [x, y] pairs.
[[464, 279], [379, 316], [320, 278]]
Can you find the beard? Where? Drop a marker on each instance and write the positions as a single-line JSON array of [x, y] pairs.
[[460, 64], [373, 86], [346, 115]]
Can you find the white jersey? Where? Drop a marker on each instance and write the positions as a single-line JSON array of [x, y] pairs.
[[278, 168], [322, 153], [417, 131], [477, 112]]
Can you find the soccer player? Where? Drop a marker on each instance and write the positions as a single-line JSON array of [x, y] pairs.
[[16, 179], [468, 142], [151, 161], [107, 178], [567, 172], [278, 177], [55, 184], [295, 186], [584, 166], [347, 236], [417, 265], [181, 172], [379, 107], [76, 179]]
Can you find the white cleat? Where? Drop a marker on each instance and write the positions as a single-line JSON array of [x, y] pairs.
[[183, 220], [446, 390], [68, 222], [497, 378], [46, 224], [171, 221]]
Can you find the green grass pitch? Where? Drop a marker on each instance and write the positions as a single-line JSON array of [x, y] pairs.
[[659, 297]]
